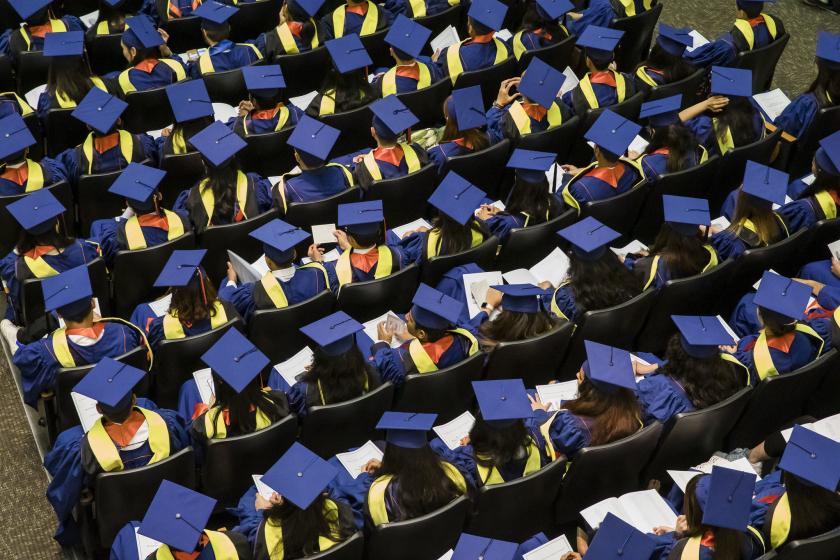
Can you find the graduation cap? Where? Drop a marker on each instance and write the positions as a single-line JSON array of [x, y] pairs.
[[67, 43], [589, 238], [812, 457], [753, 3], [15, 136], [612, 132], [335, 333], [607, 367], [407, 36], [69, 292], [348, 53], [300, 475], [27, 8], [662, 112], [466, 105], [674, 40], [180, 268], [264, 81], [782, 295], [733, 82], [600, 42], [555, 9], [391, 117], [828, 49], [618, 540], [37, 211], [701, 336], [141, 33], [99, 110], [279, 239], [531, 165], [765, 183], [177, 516], [457, 198], [541, 82], [137, 183], [473, 547], [406, 429], [433, 309], [314, 138], [489, 13], [214, 14], [502, 401], [521, 298], [309, 7], [189, 100], [362, 218], [685, 213], [725, 496], [235, 359], [217, 143], [110, 383], [828, 154]]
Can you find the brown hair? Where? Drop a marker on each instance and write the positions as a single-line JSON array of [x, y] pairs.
[[474, 137], [515, 325], [763, 218], [615, 413], [193, 304]]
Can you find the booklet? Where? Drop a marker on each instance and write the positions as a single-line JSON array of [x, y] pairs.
[[403, 230], [634, 246], [834, 249], [808, 179], [570, 82], [555, 177], [160, 306], [638, 145], [721, 223], [828, 427], [552, 550], [553, 268], [554, 394], [699, 40], [205, 384], [392, 320], [90, 19], [497, 204], [728, 329], [643, 510], [772, 102], [758, 282], [355, 461], [323, 234], [682, 478], [447, 555], [145, 545], [303, 101], [503, 35], [476, 286], [788, 200], [33, 94], [86, 409], [455, 430], [246, 273], [224, 112], [294, 366], [445, 38], [742, 464], [263, 489]]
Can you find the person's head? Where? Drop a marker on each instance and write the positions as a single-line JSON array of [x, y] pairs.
[[400, 57], [601, 282], [195, 301], [80, 311], [216, 33], [475, 28], [813, 509], [748, 9], [680, 144], [706, 378], [496, 444], [382, 134], [69, 75], [432, 313], [515, 325], [474, 138], [615, 410], [739, 117], [340, 376], [760, 213], [685, 254], [351, 89], [140, 40], [530, 194], [826, 173], [605, 157], [728, 542], [536, 18], [241, 405], [302, 528], [775, 324], [119, 413]]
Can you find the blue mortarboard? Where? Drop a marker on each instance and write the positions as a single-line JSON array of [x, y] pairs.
[[63, 291], [361, 217], [68, 43], [137, 182], [555, 9], [728, 497], [391, 117], [674, 40], [685, 213], [189, 100], [522, 298], [589, 238], [279, 239], [531, 165], [457, 198], [473, 547], [235, 359], [15, 136], [734, 82], [313, 137], [406, 429], [408, 36], [100, 110], [300, 475], [217, 143], [36, 212], [264, 80], [309, 7], [110, 383], [27, 8], [177, 516], [214, 12], [433, 309], [141, 33], [618, 540], [467, 106], [348, 53], [662, 112], [828, 49], [541, 82], [701, 335], [600, 42], [335, 333], [782, 295], [828, 154], [812, 457], [753, 3], [180, 268], [608, 367], [612, 132], [502, 400], [490, 13], [765, 183]]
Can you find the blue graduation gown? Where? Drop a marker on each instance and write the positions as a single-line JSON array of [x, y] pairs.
[[143, 77], [262, 192], [353, 22], [406, 83], [801, 213], [564, 297], [397, 7], [720, 52], [352, 491], [569, 433], [306, 283], [606, 94], [656, 164], [155, 332], [703, 129], [53, 173], [107, 233], [226, 55], [394, 364], [657, 77], [798, 116], [72, 23], [661, 398], [358, 274], [255, 123], [497, 121], [315, 184], [502, 223], [445, 150], [452, 284], [474, 56], [589, 187], [530, 544], [802, 351], [599, 12], [386, 168], [109, 160]]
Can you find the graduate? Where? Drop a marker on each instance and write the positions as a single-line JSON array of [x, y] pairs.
[[86, 339], [151, 63], [412, 71], [193, 112], [481, 49], [418, 8], [610, 174], [672, 146], [317, 179], [818, 201], [463, 132], [345, 86], [521, 316], [222, 53], [665, 63], [38, 20], [111, 18], [431, 340], [145, 223], [285, 283], [540, 26], [534, 108], [268, 109], [356, 17], [603, 12], [600, 86], [18, 173], [499, 447], [298, 31]]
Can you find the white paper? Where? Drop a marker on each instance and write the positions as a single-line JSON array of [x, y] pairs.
[[634, 246], [834, 249], [552, 550], [155, 133], [33, 95], [224, 112], [721, 223], [638, 360], [808, 179], [303, 101], [570, 82], [643, 510], [205, 384], [260, 265], [758, 282], [371, 327], [553, 268], [402, 230], [828, 427], [728, 329], [245, 273], [503, 35], [145, 545], [788, 200], [323, 233], [329, 256], [520, 276], [263, 489], [682, 478], [447, 555], [455, 430], [294, 366], [554, 393], [699, 40], [90, 20], [742, 465], [191, 55], [480, 278], [86, 409], [638, 145], [160, 306], [772, 102], [445, 38], [354, 461]]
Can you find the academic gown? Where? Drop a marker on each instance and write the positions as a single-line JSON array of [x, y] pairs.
[[270, 46], [652, 73], [794, 190], [803, 213], [302, 396], [306, 283], [500, 124], [599, 183], [156, 334], [53, 171], [124, 546], [641, 266], [314, 184], [261, 191], [262, 122], [569, 433], [803, 350], [395, 363], [723, 50], [661, 398], [502, 223], [599, 12], [353, 21], [603, 84], [111, 159], [226, 55], [361, 268], [391, 162], [730, 245], [703, 129], [433, 7], [655, 163], [445, 150], [475, 54], [798, 116], [110, 233], [193, 410], [669, 546], [564, 298], [407, 77], [12, 42], [148, 74]]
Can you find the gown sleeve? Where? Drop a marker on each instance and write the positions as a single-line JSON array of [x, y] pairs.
[[37, 368], [599, 12], [701, 127], [461, 458], [568, 434], [564, 297], [249, 517], [241, 297], [297, 399], [64, 464], [744, 319], [262, 189], [727, 244], [501, 225], [124, 546], [494, 124], [189, 400], [720, 52], [389, 363], [798, 214], [55, 168], [797, 116], [104, 232], [412, 247], [659, 399]]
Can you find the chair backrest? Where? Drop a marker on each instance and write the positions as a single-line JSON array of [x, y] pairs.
[[218, 239], [10, 228], [689, 87], [558, 55], [124, 496], [268, 154], [147, 110], [354, 126], [732, 164], [821, 547], [367, 300], [63, 131], [300, 66], [634, 46], [324, 211], [826, 121], [94, 200], [432, 270], [230, 462], [33, 296], [484, 168], [332, 428], [488, 78], [529, 245], [7, 75], [422, 538], [182, 172], [441, 20], [105, 53], [542, 354], [264, 325], [781, 256], [226, 87], [427, 103], [351, 549], [558, 139], [32, 69], [404, 198], [762, 61], [378, 49], [620, 212], [253, 18], [516, 510], [447, 392], [184, 34]]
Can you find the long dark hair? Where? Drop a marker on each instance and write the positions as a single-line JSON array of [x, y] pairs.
[[532, 20], [352, 90], [454, 237], [728, 543], [302, 527], [775, 324], [825, 85], [684, 254], [706, 381], [616, 413], [341, 377], [192, 303], [54, 238], [680, 143], [767, 225], [495, 446], [222, 181], [70, 76], [115, 16], [813, 509], [241, 406], [601, 283], [515, 325], [822, 182], [190, 128], [145, 54], [739, 117], [532, 199], [308, 28], [673, 68], [474, 137]]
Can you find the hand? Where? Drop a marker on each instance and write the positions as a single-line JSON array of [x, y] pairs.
[[166, 132], [816, 287], [315, 253], [835, 267], [436, 55], [731, 348], [403, 335], [261, 503], [372, 466], [545, 285], [537, 404], [464, 441], [570, 169], [682, 524], [341, 238], [383, 333], [716, 103], [485, 212], [163, 35], [642, 369], [632, 154], [231, 273], [571, 556], [714, 229], [493, 297], [359, 158], [245, 107], [662, 530], [504, 96]]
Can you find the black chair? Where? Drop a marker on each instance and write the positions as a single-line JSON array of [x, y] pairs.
[[542, 354], [63, 131], [306, 214], [94, 200], [484, 168], [488, 78], [134, 273], [254, 18], [105, 53], [762, 61], [354, 126], [558, 55], [824, 402], [378, 49], [10, 228], [230, 462], [147, 110], [731, 170], [218, 239], [441, 20], [422, 538], [427, 103], [558, 140], [351, 549], [32, 122], [7, 75], [826, 121], [184, 34], [619, 212], [404, 198], [32, 69], [301, 66], [689, 87], [447, 392], [333, 428], [529, 245], [268, 154], [182, 172], [580, 153], [823, 233], [226, 87], [821, 547], [516, 510], [367, 300], [264, 325], [634, 46], [432, 270], [33, 297], [177, 359]]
